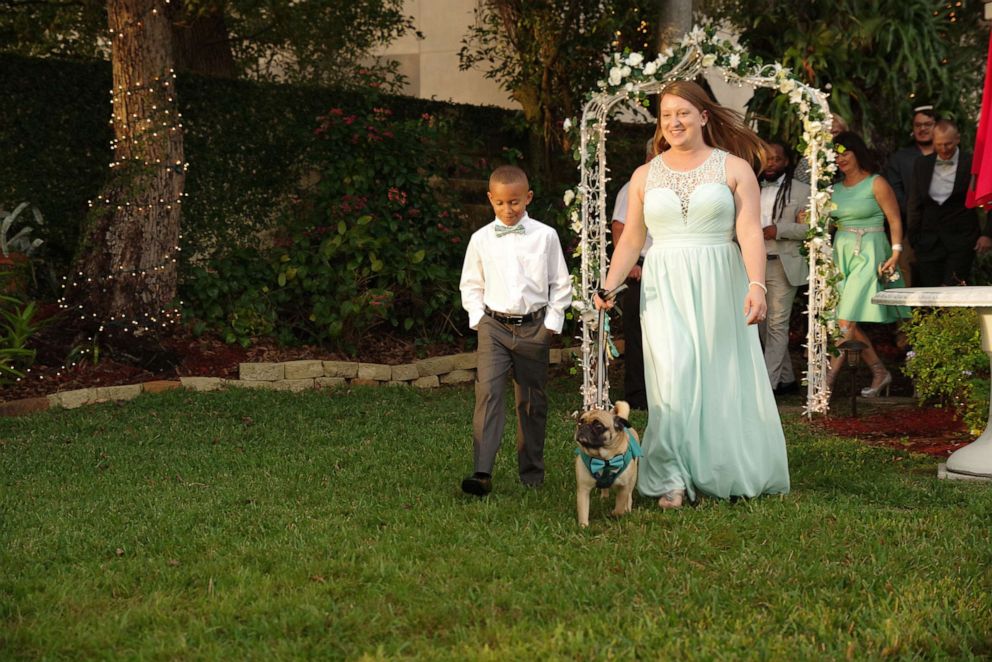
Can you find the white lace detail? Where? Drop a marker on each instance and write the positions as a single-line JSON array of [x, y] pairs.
[[683, 183]]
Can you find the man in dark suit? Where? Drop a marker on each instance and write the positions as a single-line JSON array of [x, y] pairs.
[[945, 234], [899, 174]]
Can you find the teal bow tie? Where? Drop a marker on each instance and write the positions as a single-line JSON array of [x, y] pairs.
[[596, 465], [943, 162], [502, 230]]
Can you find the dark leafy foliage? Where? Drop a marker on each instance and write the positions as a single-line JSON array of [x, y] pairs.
[[318, 41], [879, 59], [373, 243]]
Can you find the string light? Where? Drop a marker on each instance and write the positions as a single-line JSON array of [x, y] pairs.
[[144, 137], [136, 142]]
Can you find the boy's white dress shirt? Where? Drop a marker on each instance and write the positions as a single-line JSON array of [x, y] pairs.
[[516, 274]]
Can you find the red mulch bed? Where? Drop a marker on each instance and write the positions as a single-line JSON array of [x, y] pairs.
[[199, 357], [931, 430]]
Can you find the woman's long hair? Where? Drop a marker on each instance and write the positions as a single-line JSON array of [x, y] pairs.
[[725, 128]]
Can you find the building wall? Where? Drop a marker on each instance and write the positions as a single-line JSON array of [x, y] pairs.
[[431, 64]]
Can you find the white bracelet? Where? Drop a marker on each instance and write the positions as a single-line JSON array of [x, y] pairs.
[[761, 285], [897, 247]]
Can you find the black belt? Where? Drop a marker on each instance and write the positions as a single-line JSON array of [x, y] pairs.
[[503, 318], [772, 257]]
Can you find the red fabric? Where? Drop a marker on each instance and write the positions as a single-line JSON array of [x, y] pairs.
[[980, 192]]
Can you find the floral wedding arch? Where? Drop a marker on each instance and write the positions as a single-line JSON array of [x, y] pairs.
[[631, 78]]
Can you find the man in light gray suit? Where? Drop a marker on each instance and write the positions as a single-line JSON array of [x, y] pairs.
[[783, 203]]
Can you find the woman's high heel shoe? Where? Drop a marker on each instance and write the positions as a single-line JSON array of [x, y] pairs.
[[881, 379]]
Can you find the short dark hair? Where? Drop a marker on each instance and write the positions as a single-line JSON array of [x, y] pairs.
[[509, 174], [853, 142]]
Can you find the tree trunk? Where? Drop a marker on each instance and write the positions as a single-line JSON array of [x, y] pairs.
[[674, 20], [126, 269], [201, 45]]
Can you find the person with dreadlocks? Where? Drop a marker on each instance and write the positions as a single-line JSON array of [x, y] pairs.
[[783, 202]]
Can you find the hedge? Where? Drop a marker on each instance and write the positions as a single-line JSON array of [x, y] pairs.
[[247, 144]]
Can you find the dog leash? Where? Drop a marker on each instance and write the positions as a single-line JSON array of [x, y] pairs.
[[602, 351]]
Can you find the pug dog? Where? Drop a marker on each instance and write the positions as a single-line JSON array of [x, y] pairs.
[[606, 458]]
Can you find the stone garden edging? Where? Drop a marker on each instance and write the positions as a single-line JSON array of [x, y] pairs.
[[283, 376]]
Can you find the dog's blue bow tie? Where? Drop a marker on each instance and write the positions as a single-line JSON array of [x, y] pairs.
[[502, 230], [596, 465]]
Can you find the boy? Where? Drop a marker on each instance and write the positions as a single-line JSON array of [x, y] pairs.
[[515, 287]]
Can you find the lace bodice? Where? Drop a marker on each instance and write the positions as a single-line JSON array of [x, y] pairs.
[[683, 183]]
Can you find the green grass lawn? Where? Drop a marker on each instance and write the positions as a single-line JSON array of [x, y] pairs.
[[250, 524]]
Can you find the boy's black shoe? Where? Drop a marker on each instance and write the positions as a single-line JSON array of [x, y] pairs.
[[478, 484]]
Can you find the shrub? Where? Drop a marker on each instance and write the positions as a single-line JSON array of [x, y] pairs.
[[947, 363], [372, 243], [17, 325], [231, 296]]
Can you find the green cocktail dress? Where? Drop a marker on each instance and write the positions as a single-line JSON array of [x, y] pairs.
[[860, 245]]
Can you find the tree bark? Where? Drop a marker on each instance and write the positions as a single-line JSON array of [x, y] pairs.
[[125, 268], [674, 20]]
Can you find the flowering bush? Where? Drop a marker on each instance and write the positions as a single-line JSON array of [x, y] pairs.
[[372, 244], [947, 362]]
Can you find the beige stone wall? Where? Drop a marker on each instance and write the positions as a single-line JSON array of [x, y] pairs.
[[292, 376], [431, 64]]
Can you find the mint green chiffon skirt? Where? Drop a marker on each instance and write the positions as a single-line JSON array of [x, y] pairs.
[[713, 425]]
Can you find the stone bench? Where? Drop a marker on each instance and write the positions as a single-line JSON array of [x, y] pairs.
[[974, 461]]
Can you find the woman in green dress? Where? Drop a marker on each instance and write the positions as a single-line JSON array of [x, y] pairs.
[[862, 253]]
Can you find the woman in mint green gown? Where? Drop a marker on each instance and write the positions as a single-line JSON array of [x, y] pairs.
[[861, 251], [713, 426]]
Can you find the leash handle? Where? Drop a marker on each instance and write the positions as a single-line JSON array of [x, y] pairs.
[[606, 296]]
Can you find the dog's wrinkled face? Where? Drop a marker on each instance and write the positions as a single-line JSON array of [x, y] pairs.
[[599, 429]]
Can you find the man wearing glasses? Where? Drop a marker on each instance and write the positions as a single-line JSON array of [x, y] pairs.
[[899, 172]]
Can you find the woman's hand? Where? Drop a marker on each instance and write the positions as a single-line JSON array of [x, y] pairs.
[[755, 307], [889, 266], [600, 304]]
